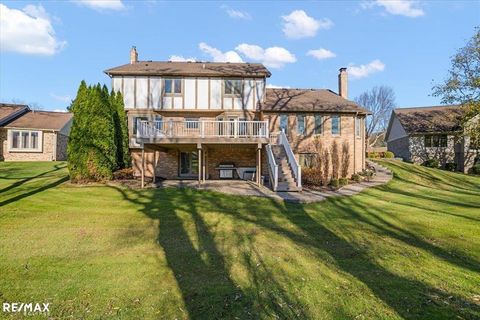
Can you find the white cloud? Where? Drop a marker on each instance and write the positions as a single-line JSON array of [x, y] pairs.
[[362, 71], [219, 56], [28, 31], [236, 14], [408, 8], [59, 110], [274, 57], [272, 86], [321, 54], [101, 5], [181, 59], [65, 99], [299, 25]]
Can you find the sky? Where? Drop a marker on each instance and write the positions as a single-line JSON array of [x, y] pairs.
[[48, 47]]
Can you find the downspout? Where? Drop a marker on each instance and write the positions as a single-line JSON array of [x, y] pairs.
[[55, 145], [355, 143]]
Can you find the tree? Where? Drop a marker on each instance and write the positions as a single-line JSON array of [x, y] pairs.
[[380, 101], [121, 130], [96, 135], [462, 86]]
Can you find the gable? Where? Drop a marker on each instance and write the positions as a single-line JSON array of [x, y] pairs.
[[395, 129]]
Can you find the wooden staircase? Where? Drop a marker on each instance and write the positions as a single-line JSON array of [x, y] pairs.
[[286, 179]]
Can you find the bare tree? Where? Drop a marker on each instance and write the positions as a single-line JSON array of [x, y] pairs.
[[380, 101], [325, 159]]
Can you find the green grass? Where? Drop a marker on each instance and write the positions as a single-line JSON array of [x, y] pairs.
[[409, 249]]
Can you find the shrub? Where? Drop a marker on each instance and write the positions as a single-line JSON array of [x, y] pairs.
[[431, 163], [312, 176], [475, 169], [335, 183], [373, 155], [389, 155], [451, 166], [356, 177], [123, 174], [345, 159], [343, 181], [335, 160], [325, 159]]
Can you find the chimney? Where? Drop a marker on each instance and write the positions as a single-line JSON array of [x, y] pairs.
[[343, 83], [133, 55]]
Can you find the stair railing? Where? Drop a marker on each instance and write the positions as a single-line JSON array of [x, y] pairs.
[[297, 170], [273, 168]]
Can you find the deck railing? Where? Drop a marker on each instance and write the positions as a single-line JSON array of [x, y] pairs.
[[202, 129]]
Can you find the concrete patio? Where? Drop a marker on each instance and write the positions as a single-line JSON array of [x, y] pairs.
[[249, 188]]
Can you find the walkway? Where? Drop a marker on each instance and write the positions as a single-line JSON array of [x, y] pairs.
[[248, 188]]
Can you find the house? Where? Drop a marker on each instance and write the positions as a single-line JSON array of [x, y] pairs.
[[28, 135], [423, 133], [208, 120]]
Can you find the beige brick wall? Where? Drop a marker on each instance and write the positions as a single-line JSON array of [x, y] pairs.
[[47, 153], [304, 143]]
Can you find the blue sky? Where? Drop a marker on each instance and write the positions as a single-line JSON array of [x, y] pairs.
[[48, 47]]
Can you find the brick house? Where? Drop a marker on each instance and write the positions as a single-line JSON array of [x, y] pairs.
[[27, 135], [205, 120], [423, 133]]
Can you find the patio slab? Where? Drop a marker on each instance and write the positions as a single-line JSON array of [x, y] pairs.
[[248, 188]]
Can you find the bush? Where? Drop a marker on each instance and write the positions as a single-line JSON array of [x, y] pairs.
[[475, 169], [312, 176], [389, 155], [123, 174], [343, 181], [335, 183], [373, 155], [451, 166], [356, 177], [431, 163]]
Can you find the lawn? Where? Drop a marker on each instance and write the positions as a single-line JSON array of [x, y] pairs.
[[409, 249]]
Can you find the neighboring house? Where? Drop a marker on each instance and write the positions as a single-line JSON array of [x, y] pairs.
[[27, 135], [420, 134], [206, 120]]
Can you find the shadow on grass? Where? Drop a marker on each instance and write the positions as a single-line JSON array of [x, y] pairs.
[[17, 184], [209, 291]]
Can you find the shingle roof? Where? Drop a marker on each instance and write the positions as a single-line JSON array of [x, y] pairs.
[[430, 119], [206, 69], [9, 111], [41, 120], [308, 100]]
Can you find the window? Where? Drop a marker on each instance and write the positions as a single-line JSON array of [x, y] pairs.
[[158, 123], [335, 125], [191, 123], [284, 122], [358, 124], [233, 87], [318, 124], [136, 122], [307, 160], [435, 141], [301, 124], [24, 140], [173, 86]]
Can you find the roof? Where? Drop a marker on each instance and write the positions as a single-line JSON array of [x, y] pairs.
[[205, 69], [430, 119], [48, 120], [9, 111], [307, 100]]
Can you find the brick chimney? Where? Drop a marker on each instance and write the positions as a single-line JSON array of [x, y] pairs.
[[133, 55], [343, 83]]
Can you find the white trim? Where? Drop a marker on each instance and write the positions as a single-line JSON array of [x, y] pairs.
[[10, 141]]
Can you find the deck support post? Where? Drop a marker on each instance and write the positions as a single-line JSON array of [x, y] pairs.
[[199, 149], [204, 165], [259, 164], [143, 166]]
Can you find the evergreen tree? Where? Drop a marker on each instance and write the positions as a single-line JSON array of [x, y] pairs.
[[121, 127]]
